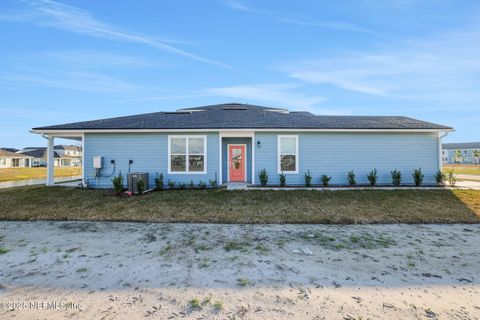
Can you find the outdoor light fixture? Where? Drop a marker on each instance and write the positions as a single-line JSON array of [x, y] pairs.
[[259, 144]]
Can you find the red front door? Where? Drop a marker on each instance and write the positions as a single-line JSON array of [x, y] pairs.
[[236, 163]]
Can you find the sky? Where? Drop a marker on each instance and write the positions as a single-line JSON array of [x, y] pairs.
[[68, 61]]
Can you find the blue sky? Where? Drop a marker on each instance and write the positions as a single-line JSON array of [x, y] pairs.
[[80, 60]]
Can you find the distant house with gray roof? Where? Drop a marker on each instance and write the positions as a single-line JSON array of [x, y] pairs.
[[464, 152]]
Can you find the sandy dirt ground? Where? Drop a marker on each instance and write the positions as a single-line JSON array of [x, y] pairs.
[[81, 270]]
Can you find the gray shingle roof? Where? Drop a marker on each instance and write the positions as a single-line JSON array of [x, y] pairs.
[[40, 153], [245, 116], [8, 154], [462, 145]]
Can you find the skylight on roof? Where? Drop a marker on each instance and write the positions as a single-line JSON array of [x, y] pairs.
[[178, 112]]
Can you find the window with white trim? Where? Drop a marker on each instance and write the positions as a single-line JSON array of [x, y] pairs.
[[288, 154], [187, 154]]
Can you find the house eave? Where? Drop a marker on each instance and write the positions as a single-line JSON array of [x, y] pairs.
[[79, 132]]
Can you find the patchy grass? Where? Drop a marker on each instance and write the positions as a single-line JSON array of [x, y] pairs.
[[251, 206], [243, 282], [462, 169], [218, 305], [3, 250], [12, 174]]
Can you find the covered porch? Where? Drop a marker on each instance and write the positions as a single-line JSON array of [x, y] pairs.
[[50, 137]]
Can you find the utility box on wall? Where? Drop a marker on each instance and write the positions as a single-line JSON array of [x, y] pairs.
[[97, 162], [133, 179]]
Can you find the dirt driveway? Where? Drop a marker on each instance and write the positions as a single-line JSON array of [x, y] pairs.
[[63, 270]]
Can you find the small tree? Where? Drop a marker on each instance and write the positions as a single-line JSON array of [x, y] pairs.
[[396, 177], [417, 176], [451, 179], [325, 180], [372, 177], [263, 177], [440, 177], [283, 179], [171, 184], [457, 156], [140, 186], [159, 181], [351, 178], [308, 179], [118, 184], [476, 155]]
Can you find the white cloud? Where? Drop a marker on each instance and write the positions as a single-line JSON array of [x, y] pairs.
[[237, 5], [338, 25], [54, 14], [82, 81], [280, 95], [442, 68]]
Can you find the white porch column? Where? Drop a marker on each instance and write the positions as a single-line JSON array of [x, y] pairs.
[[50, 162]]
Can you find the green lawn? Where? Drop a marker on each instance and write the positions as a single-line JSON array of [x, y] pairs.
[[254, 206], [12, 174], [462, 169]]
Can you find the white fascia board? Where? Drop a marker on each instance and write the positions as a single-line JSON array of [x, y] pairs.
[[78, 133]]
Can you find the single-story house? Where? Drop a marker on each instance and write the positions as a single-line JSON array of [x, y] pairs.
[[13, 160], [233, 142], [466, 152], [64, 156]]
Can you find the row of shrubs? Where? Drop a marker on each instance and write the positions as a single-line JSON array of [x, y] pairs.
[[118, 188], [372, 177]]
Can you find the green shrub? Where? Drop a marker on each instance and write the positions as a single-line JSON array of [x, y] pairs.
[[372, 177], [283, 179], [263, 177], [325, 180], [171, 184], [202, 185], [191, 185], [159, 181], [351, 178], [440, 177], [417, 177], [140, 186], [396, 177], [118, 184], [213, 183], [308, 179], [182, 186]]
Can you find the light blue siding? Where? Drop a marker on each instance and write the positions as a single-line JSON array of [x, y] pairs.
[[225, 143], [149, 152], [334, 154], [322, 153]]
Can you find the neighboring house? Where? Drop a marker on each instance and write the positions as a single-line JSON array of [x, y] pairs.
[[10, 149], [233, 142], [466, 152], [69, 155], [13, 160], [62, 158]]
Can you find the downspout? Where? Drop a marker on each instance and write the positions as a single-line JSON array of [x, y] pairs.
[[440, 160]]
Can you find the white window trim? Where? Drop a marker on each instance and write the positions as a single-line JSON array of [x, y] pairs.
[[170, 137], [279, 165]]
